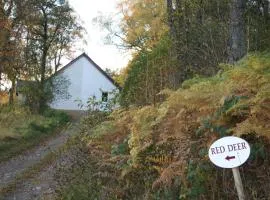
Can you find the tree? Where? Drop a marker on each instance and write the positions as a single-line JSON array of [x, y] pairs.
[[148, 73], [257, 25], [11, 62], [199, 33], [202, 34], [14, 66], [142, 24], [51, 28], [206, 33]]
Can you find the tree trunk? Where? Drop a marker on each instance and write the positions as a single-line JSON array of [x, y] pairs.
[[266, 9], [42, 101], [175, 24], [170, 12], [11, 92], [42, 97], [237, 42]]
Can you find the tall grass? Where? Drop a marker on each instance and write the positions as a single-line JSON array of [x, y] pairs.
[[21, 130]]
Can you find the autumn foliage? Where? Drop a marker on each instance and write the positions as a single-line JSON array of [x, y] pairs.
[[160, 152]]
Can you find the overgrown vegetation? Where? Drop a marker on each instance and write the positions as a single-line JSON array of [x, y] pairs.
[[155, 146], [173, 41], [20, 129], [148, 73], [160, 151]]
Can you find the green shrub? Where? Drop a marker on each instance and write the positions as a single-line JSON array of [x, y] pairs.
[[60, 116]]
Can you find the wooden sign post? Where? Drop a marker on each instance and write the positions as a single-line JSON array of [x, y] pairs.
[[238, 183], [231, 152]]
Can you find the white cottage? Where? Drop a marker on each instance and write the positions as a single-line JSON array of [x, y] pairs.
[[85, 79]]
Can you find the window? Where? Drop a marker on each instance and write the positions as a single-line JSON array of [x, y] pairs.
[[104, 96]]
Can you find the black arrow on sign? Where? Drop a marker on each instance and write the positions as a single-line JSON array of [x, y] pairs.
[[229, 157]]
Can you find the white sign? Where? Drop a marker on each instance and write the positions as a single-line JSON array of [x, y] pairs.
[[229, 152]]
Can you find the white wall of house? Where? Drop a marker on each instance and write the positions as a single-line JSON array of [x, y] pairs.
[[85, 80]]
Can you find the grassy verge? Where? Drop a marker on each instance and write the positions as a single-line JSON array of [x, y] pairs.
[[32, 171], [20, 130]]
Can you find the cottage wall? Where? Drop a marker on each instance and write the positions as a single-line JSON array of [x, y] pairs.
[[85, 80]]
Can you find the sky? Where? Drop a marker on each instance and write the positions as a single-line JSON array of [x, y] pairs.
[[106, 56]]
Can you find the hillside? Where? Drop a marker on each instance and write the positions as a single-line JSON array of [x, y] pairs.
[[160, 152]]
